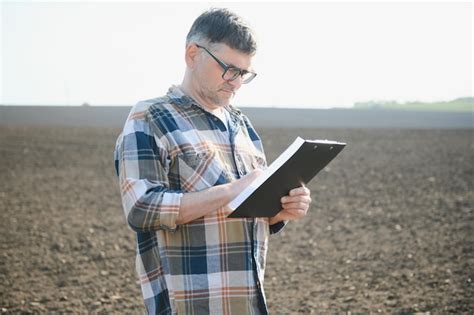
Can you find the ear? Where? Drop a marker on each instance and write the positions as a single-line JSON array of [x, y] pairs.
[[191, 53]]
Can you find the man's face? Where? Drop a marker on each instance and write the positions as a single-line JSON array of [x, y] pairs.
[[211, 87]]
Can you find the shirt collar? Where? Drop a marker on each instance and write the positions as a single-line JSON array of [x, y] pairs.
[[178, 97]]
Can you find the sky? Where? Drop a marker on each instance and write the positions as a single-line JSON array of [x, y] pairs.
[[310, 54]]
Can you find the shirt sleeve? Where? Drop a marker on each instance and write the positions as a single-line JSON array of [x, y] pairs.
[[142, 165]]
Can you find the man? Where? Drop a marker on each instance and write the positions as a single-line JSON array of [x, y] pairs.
[[181, 159]]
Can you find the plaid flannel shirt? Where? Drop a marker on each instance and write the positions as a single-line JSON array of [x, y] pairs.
[[214, 265]]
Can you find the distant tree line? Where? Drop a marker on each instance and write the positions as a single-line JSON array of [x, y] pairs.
[[459, 104]]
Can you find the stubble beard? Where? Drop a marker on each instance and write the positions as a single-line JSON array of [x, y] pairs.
[[213, 97]]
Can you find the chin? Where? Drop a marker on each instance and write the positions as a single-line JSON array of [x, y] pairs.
[[223, 101]]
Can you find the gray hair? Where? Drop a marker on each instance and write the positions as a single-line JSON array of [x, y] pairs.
[[217, 26]]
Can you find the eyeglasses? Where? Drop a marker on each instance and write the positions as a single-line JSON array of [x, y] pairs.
[[231, 73]]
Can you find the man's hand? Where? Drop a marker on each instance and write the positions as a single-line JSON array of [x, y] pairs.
[[294, 206], [239, 185], [198, 204]]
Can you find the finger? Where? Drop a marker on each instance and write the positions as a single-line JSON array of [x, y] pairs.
[[295, 205], [307, 191], [298, 203], [303, 190], [300, 198]]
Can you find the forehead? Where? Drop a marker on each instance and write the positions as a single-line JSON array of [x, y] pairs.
[[232, 56]]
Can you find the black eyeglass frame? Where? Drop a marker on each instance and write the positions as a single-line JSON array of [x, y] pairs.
[[239, 72]]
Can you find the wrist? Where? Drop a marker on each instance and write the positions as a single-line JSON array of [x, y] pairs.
[[275, 219]]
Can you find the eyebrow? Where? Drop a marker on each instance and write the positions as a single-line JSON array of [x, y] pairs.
[[234, 66], [230, 65]]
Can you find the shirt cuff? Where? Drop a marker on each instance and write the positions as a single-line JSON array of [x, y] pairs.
[[169, 210], [277, 227]]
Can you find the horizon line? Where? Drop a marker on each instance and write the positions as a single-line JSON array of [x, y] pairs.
[[122, 105]]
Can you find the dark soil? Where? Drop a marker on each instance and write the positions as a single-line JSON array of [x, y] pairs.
[[389, 231]]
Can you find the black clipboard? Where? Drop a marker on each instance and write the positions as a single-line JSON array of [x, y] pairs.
[[297, 165]]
